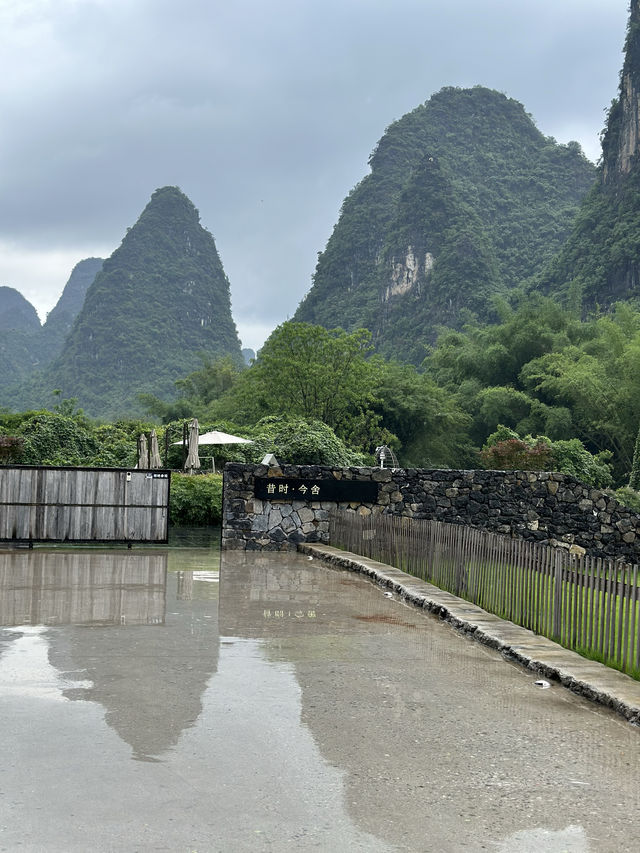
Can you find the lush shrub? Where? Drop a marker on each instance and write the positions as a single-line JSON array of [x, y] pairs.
[[303, 442], [572, 457], [291, 440], [514, 454], [50, 438], [117, 447], [10, 449], [504, 450], [195, 499], [628, 497], [59, 438]]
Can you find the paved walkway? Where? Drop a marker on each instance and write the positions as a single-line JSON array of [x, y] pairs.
[[588, 678]]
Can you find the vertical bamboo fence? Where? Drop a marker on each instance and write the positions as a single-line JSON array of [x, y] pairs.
[[587, 604]]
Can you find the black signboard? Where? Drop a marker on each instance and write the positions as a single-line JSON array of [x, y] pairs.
[[297, 489]]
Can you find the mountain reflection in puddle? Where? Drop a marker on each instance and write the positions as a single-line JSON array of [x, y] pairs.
[[93, 625], [25, 668]]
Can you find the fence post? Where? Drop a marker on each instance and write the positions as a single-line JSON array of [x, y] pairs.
[[557, 595]]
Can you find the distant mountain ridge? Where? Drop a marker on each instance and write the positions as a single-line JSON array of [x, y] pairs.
[[16, 312], [26, 346], [60, 319], [465, 200], [19, 330]]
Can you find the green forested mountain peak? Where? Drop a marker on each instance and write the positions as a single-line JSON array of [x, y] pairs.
[[19, 331], [158, 302], [464, 200], [16, 312], [60, 319], [600, 263]]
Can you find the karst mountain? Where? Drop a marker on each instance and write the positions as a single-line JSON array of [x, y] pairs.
[[19, 328], [60, 319], [600, 263], [149, 313], [465, 200]]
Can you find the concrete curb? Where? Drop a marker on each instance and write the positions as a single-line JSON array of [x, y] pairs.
[[590, 679]]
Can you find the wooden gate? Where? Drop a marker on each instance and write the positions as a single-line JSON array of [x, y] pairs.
[[42, 504]]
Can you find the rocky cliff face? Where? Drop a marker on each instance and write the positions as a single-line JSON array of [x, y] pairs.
[[619, 162], [621, 140]]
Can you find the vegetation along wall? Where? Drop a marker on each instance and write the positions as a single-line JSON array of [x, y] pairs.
[[276, 508]]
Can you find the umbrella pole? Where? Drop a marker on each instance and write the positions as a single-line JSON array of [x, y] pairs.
[[184, 444]]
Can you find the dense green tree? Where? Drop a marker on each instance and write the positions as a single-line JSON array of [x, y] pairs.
[[196, 392], [561, 377], [307, 371], [599, 381], [430, 428], [326, 375]]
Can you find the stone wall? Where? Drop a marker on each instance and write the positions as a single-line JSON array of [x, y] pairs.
[[538, 506], [251, 523]]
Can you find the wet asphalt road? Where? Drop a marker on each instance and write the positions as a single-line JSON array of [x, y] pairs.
[[289, 707]]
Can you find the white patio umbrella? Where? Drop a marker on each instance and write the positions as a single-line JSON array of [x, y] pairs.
[[192, 461], [154, 452], [143, 451], [215, 436]]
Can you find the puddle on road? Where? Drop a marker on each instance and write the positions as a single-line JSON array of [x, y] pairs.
[[386, 619], [26, 670], [572, 839], [273, 703]]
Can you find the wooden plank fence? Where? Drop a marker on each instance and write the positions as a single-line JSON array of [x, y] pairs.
[[588, 604], [42, 504]]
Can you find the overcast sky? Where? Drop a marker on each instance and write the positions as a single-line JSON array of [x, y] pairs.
[[263, 113]]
